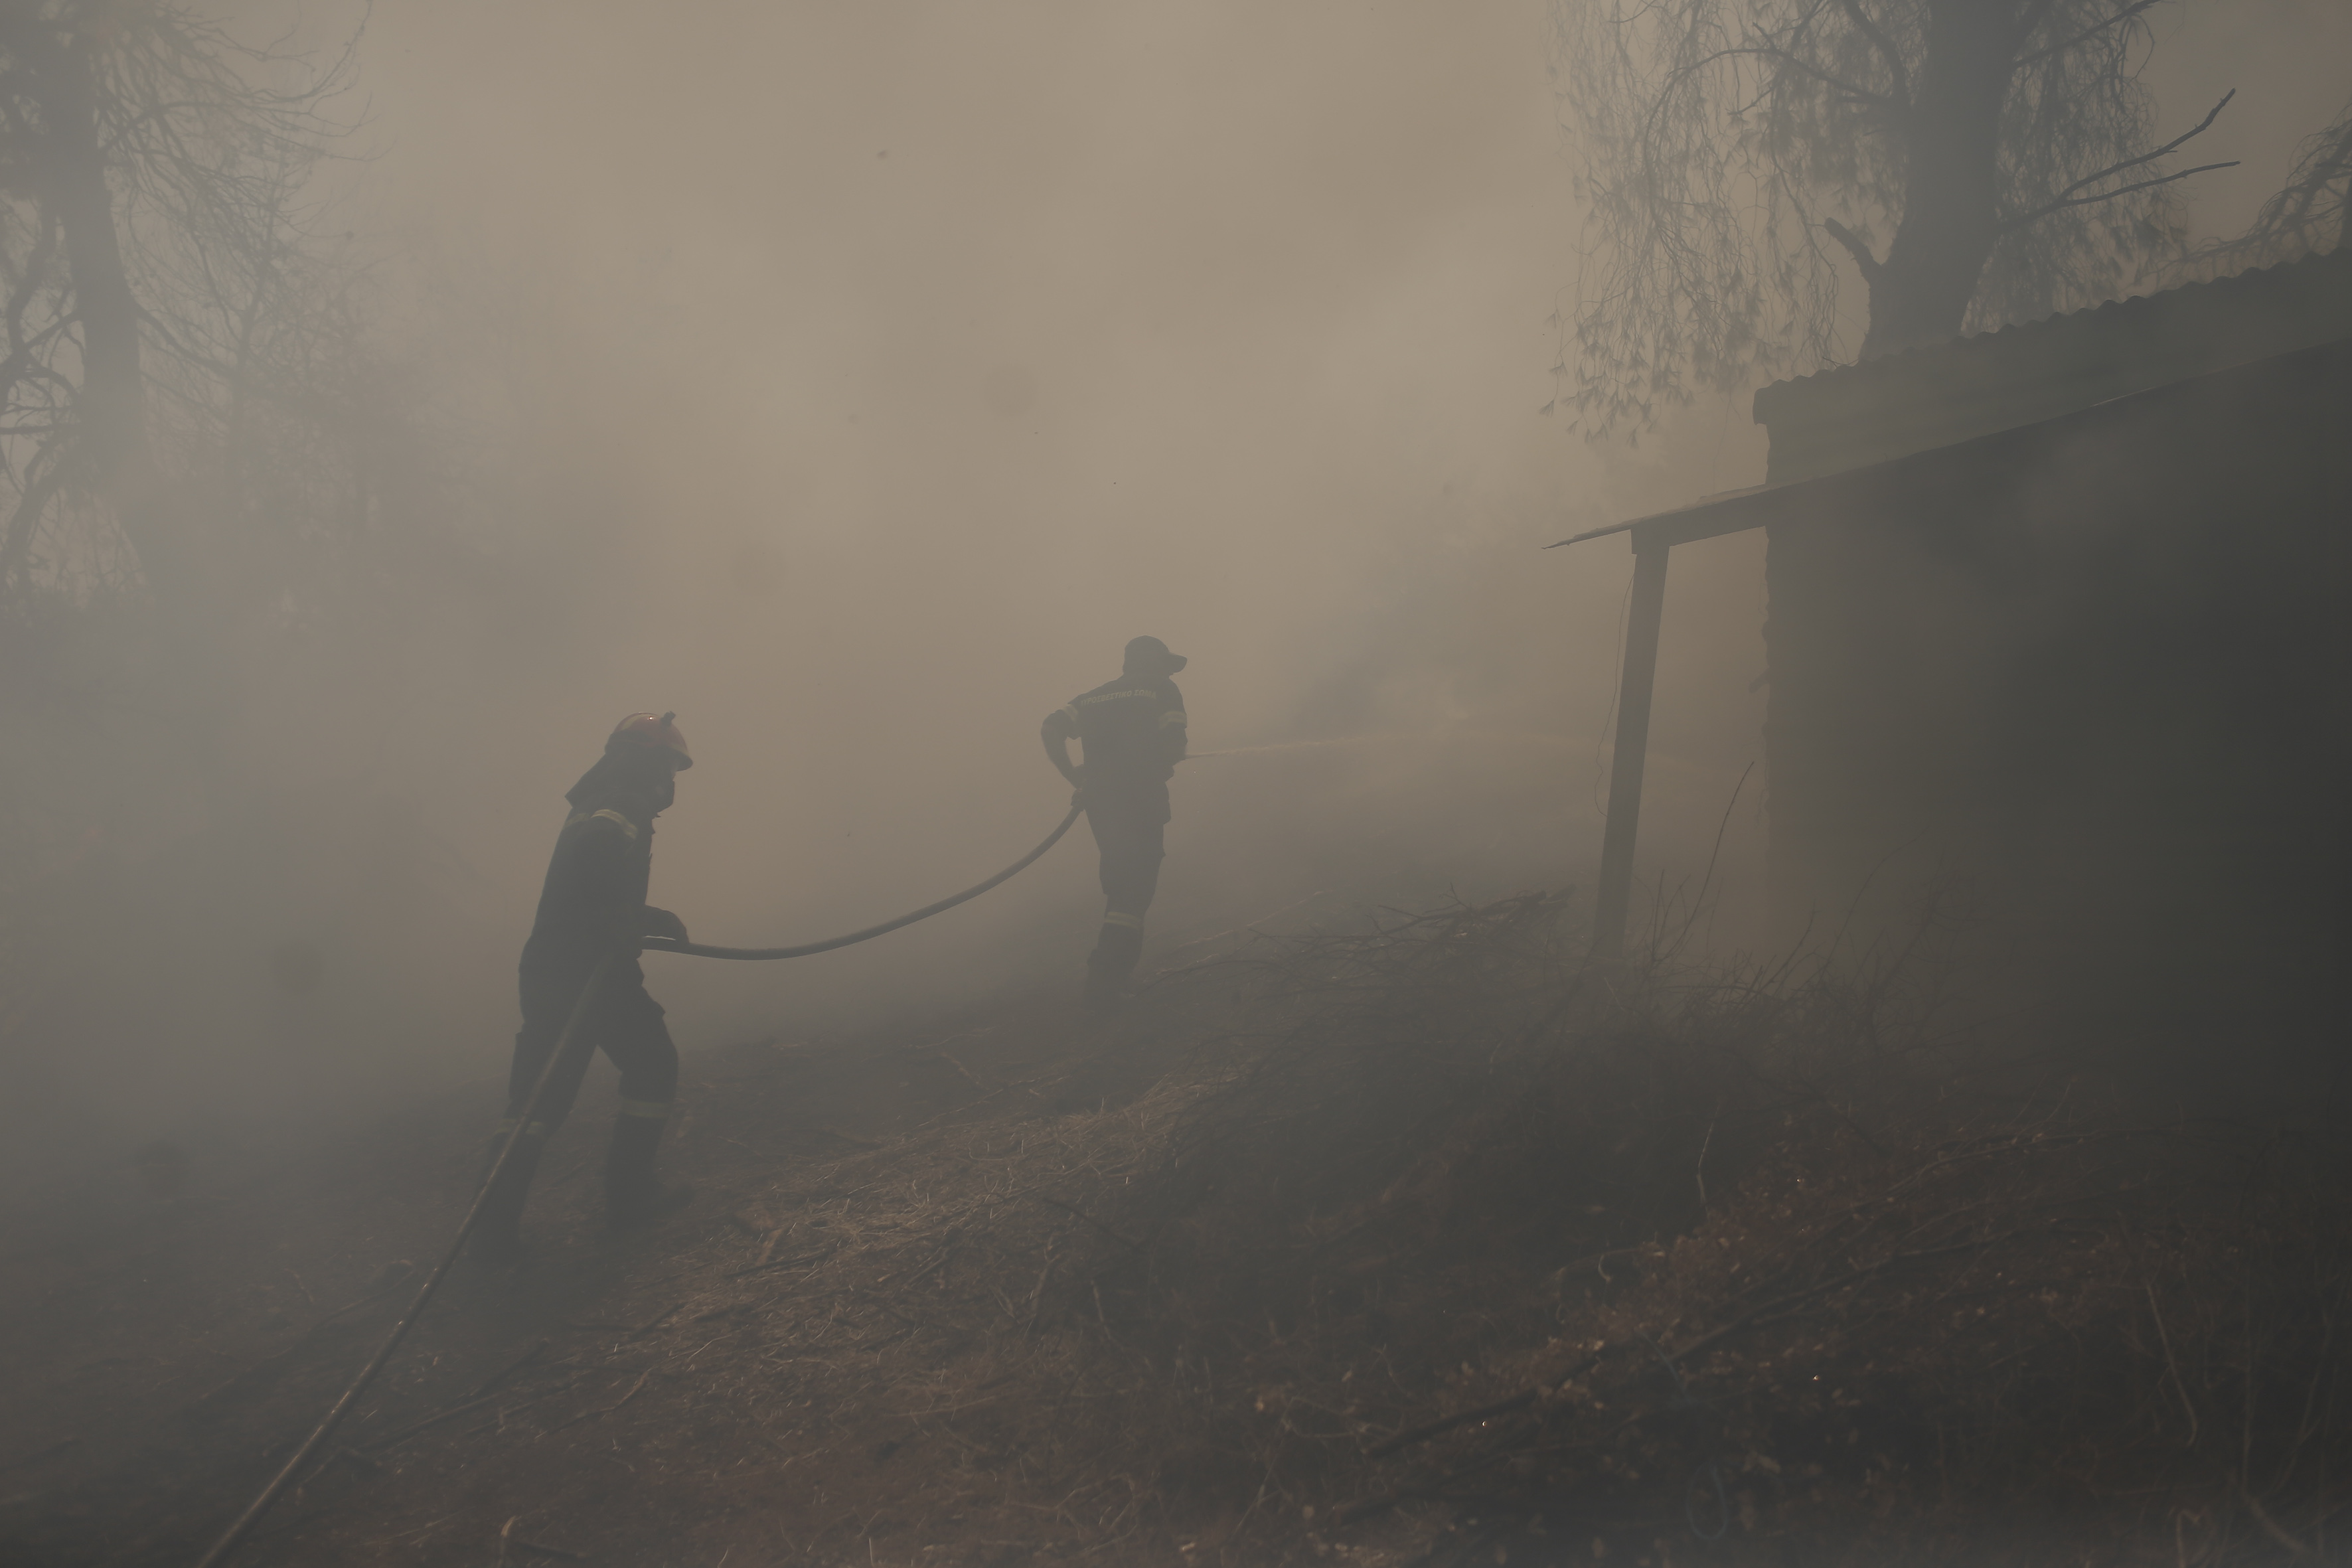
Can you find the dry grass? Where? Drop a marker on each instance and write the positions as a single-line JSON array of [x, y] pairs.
[[1417, 1241]]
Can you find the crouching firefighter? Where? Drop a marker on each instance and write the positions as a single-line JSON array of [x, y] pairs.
[[593, 912], [1132, 733]]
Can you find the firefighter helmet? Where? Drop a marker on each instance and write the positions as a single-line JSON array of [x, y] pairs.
[[1150, 655], [655, 730]]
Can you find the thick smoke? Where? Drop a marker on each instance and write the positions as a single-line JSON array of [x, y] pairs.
[[856, 382], [869, 392]]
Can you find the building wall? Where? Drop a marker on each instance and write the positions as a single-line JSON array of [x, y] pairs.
[[2083, 686]]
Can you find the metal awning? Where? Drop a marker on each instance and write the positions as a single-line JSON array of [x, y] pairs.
[[1729, 511], [1725, 511]]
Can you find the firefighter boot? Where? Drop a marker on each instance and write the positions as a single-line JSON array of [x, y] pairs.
[[634, 1197], [1113, 960], [498, 1233]]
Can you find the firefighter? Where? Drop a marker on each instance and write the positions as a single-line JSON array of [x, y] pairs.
[[592, 909], [1132, 732]]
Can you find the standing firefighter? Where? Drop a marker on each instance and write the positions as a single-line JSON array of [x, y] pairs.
[[1133, 729], [592, 910]]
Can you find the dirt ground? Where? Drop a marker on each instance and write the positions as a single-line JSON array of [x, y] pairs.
[[716, 1391], [1408, 1239]]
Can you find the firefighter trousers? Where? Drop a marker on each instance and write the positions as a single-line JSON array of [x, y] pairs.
[[1130, 831], [622, 1021]]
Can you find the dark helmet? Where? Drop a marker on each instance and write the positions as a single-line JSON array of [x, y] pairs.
[[657, 730], [1151, 654]]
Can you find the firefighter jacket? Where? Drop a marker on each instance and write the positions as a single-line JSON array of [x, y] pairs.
[[594, 900], [1133, 733]]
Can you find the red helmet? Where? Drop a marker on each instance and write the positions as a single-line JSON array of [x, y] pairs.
[[655, 730]]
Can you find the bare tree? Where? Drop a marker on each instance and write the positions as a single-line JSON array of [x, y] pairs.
[[1974, 161], [154, 258], [213, 475], [220, 501]]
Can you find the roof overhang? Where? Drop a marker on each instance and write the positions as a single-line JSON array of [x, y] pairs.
[[2033, 371], [1727, 512], [1791, 501]]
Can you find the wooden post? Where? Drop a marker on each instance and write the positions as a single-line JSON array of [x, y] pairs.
[[1633, 745]]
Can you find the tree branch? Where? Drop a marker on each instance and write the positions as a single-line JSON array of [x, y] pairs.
[[2018, 223], [17, 543], [1856, 247], [2063, 200], [2327, 158], [2034, 13], [1776, 53], [1811, 69], [2126, 15], [1884, 44]]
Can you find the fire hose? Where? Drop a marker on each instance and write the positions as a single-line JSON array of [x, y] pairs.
[[566, 1044], [699, 950]]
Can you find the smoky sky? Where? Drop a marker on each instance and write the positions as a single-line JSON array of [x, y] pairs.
[[854, 380]]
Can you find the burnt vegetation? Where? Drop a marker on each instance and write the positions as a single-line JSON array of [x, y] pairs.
[[1412, 1239], [1676, 1263]]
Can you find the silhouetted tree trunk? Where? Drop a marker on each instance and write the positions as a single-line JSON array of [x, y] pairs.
[[1951, 183], [111, 457]]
